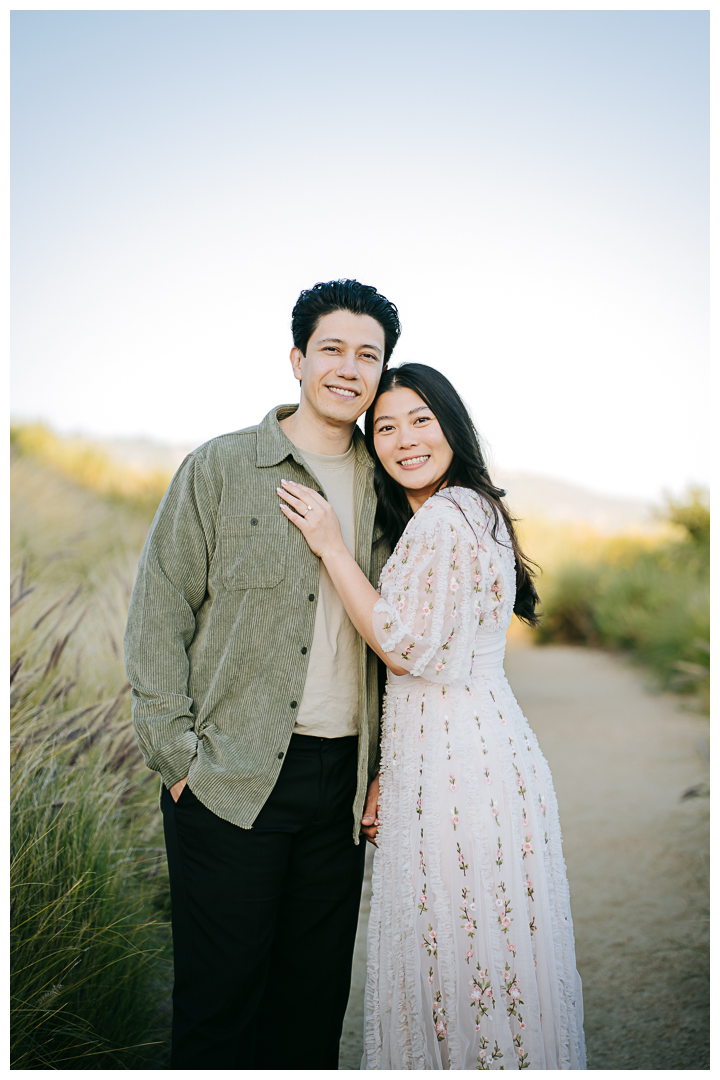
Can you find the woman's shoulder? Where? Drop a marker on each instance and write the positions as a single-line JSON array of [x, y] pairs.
[[459, 508]]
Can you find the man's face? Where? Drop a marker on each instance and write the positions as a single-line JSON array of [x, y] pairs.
[[341, 367]]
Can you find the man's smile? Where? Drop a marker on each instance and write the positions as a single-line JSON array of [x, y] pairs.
[[343, 391]]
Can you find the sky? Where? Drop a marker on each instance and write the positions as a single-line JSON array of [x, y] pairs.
[[529, 187]]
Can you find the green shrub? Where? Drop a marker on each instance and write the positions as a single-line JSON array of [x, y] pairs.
[[653, 602], [568, 603]]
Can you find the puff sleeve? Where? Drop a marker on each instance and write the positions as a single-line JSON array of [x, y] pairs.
[[443, 580]]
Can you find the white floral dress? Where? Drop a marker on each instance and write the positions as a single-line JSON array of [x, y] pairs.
[[471, 958]]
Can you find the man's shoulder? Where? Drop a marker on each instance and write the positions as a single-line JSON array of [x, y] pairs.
[[234, 445]]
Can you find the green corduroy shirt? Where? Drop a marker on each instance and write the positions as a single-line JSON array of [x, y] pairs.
[[221, 621]]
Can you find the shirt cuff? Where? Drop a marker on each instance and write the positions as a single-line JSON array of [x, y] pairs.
[[173, 760]]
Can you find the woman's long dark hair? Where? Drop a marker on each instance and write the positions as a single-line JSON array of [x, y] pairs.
[[467, 469]]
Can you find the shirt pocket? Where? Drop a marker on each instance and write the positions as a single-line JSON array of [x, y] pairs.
[[252, 550]]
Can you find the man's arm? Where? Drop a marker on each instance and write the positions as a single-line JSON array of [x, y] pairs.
[[170, 587]]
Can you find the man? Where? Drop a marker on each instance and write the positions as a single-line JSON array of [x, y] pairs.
[[257, 702]]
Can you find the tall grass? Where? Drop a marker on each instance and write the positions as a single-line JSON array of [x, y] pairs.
[[90, 953]]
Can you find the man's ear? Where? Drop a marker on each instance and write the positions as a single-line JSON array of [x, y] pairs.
[[296, 360]]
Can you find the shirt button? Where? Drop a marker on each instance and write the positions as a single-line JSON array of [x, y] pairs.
[[281, 755], [253, 521], [303, 650], [293, 704], [311, 596]]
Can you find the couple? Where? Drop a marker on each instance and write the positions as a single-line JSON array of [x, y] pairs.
[[257, 647]]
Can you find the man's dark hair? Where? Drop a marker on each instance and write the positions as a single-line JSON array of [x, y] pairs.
[[343, 295]]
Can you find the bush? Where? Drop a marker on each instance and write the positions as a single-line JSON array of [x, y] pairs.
[[653, 602]]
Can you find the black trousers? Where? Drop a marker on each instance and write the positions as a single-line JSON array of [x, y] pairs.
[[264, 919]]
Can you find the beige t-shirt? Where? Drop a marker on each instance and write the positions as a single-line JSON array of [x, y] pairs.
[[329, 705]]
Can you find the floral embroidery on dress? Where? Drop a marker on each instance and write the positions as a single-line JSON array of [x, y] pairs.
[[439, 1017], [486, 1055], [406, 652], [481, 995], [520, 782], [504, 909], [430, 941]]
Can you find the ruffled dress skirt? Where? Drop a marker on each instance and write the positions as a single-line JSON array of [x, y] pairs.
[[471, 957]]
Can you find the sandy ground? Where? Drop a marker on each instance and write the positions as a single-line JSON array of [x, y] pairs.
[[622, 757]]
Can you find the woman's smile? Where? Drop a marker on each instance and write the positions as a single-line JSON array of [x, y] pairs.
[[414, 462]]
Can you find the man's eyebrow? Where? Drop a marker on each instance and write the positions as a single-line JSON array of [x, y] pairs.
[[412, 412], [341, 341]]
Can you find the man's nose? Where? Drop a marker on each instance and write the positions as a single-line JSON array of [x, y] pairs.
[[348, 368]]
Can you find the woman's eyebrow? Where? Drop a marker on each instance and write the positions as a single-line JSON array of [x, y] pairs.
[[411, 413]]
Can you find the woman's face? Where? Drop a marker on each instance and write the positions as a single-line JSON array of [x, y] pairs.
[[410, 443]]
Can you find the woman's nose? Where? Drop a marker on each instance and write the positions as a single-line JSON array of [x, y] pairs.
[[408, 438]]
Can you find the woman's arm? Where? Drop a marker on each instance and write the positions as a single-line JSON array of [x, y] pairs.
[[321, 528]]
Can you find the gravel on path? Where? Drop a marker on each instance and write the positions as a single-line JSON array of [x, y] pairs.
[[623, 759]]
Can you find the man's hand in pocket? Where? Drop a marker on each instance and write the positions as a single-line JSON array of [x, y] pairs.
[[176, 789]]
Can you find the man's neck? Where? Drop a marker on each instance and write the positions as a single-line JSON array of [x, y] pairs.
[[317, 434]]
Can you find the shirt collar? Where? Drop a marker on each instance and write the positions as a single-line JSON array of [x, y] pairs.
[[273, 445]]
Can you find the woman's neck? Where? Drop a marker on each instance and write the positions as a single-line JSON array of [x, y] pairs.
[[418, 497]]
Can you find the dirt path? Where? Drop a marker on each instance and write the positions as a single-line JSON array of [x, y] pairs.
[[621, 757]]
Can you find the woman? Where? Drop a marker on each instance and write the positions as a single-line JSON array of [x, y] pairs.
[[471, 960]]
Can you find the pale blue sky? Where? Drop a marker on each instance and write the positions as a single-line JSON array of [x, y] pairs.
[[530, 188]]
